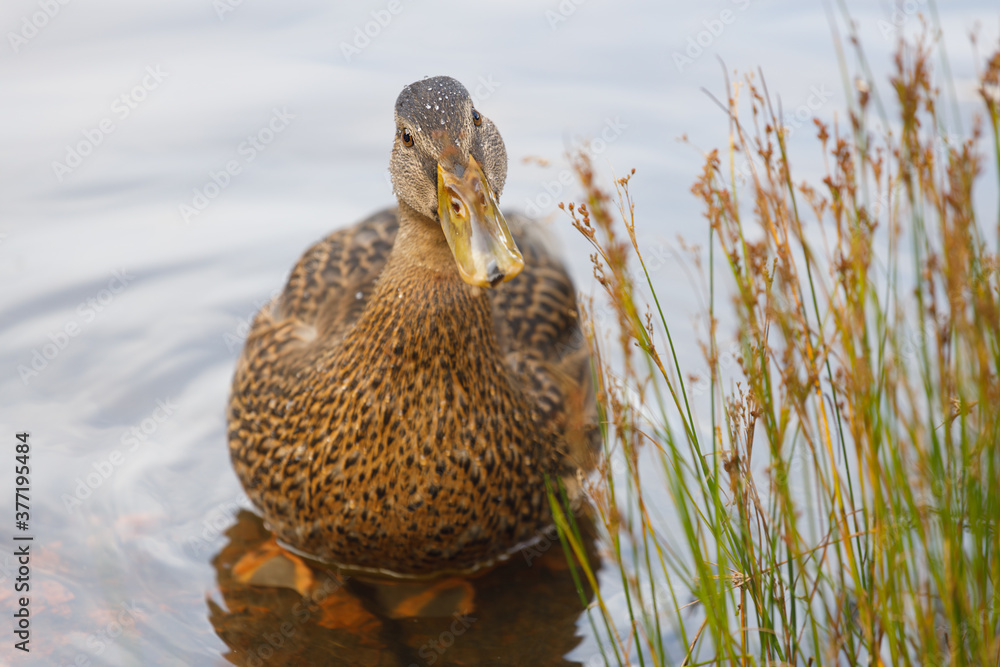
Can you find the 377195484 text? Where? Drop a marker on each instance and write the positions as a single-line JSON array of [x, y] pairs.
[[22, 542]]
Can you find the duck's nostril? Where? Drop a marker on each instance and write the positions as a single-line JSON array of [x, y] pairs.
[[494, 274]]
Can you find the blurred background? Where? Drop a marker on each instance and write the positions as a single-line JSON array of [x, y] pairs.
[[163, 165]]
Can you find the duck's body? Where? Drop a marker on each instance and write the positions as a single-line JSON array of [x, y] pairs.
[[386, 414]]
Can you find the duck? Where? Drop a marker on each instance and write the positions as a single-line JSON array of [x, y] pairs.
[[403, 402]]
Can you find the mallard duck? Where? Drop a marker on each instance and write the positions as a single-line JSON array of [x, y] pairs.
[[399, 405]]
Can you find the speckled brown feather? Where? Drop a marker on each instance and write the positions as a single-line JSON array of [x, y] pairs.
[[409, 440]]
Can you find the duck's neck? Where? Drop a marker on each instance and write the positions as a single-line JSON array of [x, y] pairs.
[[421, 246], [421, 302]]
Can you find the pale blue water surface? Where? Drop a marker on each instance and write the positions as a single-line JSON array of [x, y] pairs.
[[131, 261]]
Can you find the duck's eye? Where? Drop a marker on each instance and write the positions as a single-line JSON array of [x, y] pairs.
[[476, 118], [407, 138]]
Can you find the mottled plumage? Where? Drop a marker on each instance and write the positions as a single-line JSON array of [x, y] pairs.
[[385, 413]]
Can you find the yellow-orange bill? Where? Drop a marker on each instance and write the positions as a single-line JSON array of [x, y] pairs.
[[474, 227]]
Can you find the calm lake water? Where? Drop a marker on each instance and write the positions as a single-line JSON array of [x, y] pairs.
[[163, 165]]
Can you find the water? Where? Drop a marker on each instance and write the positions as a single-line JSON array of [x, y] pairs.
[[142, 227]]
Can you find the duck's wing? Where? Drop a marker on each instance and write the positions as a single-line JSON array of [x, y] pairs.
[[538, 328], [535, 314], [333, 280]]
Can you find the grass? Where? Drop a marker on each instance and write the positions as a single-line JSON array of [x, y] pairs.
[[836, 498]]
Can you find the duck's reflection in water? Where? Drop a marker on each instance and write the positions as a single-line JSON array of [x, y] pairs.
[[279, 609]]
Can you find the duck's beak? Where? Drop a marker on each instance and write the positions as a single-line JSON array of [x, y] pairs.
[[475, 228]]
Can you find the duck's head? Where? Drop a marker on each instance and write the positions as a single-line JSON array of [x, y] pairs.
[[449, 164]]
